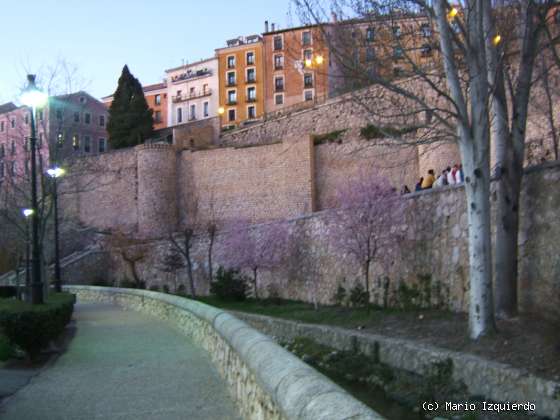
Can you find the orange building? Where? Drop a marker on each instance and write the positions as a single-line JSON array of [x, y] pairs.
[[241, 80], [296, 66], [156, 96]]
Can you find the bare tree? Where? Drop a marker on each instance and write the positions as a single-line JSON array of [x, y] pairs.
[[132, 251]]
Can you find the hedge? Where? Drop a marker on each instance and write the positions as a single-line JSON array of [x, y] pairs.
[[32, 327], [8, 291]]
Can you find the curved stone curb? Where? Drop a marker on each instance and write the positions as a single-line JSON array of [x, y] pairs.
[[266, 381], [493, 380]]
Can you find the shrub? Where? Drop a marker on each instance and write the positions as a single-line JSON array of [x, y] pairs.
[[273, 294], [229, 285], [339, 296], [180, 290], [358, 296], [100, 282], [8, 291], [332, 137], [371, 131], [129, 284], [32, 327]]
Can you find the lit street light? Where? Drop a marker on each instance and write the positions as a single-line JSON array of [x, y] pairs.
[[56, 173], [34, 98]]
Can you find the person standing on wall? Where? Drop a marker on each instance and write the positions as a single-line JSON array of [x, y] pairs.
[[429, 180]]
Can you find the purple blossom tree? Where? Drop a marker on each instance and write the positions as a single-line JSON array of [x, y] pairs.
[[256, 248], [367, 219]]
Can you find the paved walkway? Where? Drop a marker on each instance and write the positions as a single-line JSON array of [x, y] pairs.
[[124, 366]]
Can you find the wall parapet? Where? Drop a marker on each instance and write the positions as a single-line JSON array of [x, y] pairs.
[[265, 380]]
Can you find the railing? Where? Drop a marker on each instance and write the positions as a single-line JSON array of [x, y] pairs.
[[193, 95]]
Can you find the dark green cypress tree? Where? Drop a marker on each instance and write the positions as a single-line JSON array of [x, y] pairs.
[[130, 119]]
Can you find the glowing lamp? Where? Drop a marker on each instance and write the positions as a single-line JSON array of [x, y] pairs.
[[56, 172], [319, 59], [32, 96], [496, 40], [452, 13], [221, 110], [28, 212], [308, 62]]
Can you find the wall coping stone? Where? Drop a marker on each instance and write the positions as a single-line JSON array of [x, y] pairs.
[[298, 390]]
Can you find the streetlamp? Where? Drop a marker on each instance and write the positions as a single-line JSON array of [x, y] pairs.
[[27, 213], [56, 173], [34, 98]]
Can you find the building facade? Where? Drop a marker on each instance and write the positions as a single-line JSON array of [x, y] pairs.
[[192, 92], [70, 125], [241, 79], [296, 67]]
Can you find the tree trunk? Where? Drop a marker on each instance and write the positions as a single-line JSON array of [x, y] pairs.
[[212, 234], [255, 282], [187, 254], [477, 188]]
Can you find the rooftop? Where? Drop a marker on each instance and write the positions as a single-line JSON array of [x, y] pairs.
[[7, 107]]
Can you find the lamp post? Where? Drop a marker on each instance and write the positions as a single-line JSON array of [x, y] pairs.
[[56, 173], [34, 98], [27, 214]]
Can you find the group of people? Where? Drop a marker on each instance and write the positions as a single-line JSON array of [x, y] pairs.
[[449, 176]]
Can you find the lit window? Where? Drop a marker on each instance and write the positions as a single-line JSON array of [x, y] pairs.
[[76, 142]]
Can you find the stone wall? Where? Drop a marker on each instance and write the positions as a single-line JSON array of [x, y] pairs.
[[432, 260], [266, 381]]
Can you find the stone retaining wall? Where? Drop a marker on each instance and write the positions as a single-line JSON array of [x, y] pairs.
[[266, 381], [492, 380]]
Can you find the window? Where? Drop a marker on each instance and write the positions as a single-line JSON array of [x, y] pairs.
[[278, 99], [59, 140], [426, 50], [306, 38], [26, 119], [191, 92], [193, 112], [1, 170], [87, 144], [370, 54], [26, 144], [251, 76], [370, 34], [40, 115], [308, 94], [308, 80], [206, 111], [13, 148], [59, 114], [2, 151], [13, 123], [426, 30], [40, 141], [2, 127], [397, 31], [398, 53], [205, 88], [251, 112], [308, 54], [231, 115], [250, 58], [102, 146], [251, 94], [231, 62], [279, 84], [179, 115], [82, 99], [102, 120], [231, 97], [76, 117], [397, 71], [12, 168], [87, 118], [231, 78], [158, 99], [76, 142], [157, 117], [278, 62], [278, 44]]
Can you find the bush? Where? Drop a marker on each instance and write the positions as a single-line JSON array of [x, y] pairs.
[[8, 291], [229, 285], [332, 137], [339, 296], [129, 284], [358, 296], [32, 327], [165, 288], [154, 288]]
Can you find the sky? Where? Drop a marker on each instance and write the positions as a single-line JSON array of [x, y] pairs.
[[98, 37]]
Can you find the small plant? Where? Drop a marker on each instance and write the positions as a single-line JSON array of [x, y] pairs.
[[332, 137], [339, 297], [229, 285], [408, 297], [358, 296]]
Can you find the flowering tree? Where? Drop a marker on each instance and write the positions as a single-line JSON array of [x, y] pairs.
[[366, 221], [265, 247]]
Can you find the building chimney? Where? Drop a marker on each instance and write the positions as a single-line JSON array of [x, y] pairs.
[[273, 27], [265, 26]]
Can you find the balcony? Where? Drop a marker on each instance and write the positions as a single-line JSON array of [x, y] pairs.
[[231, 102], [251, 99], [308, 85], [191, 75], [196, 94], [279, 88], [251, 80], [230, 83], [278, 67]]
